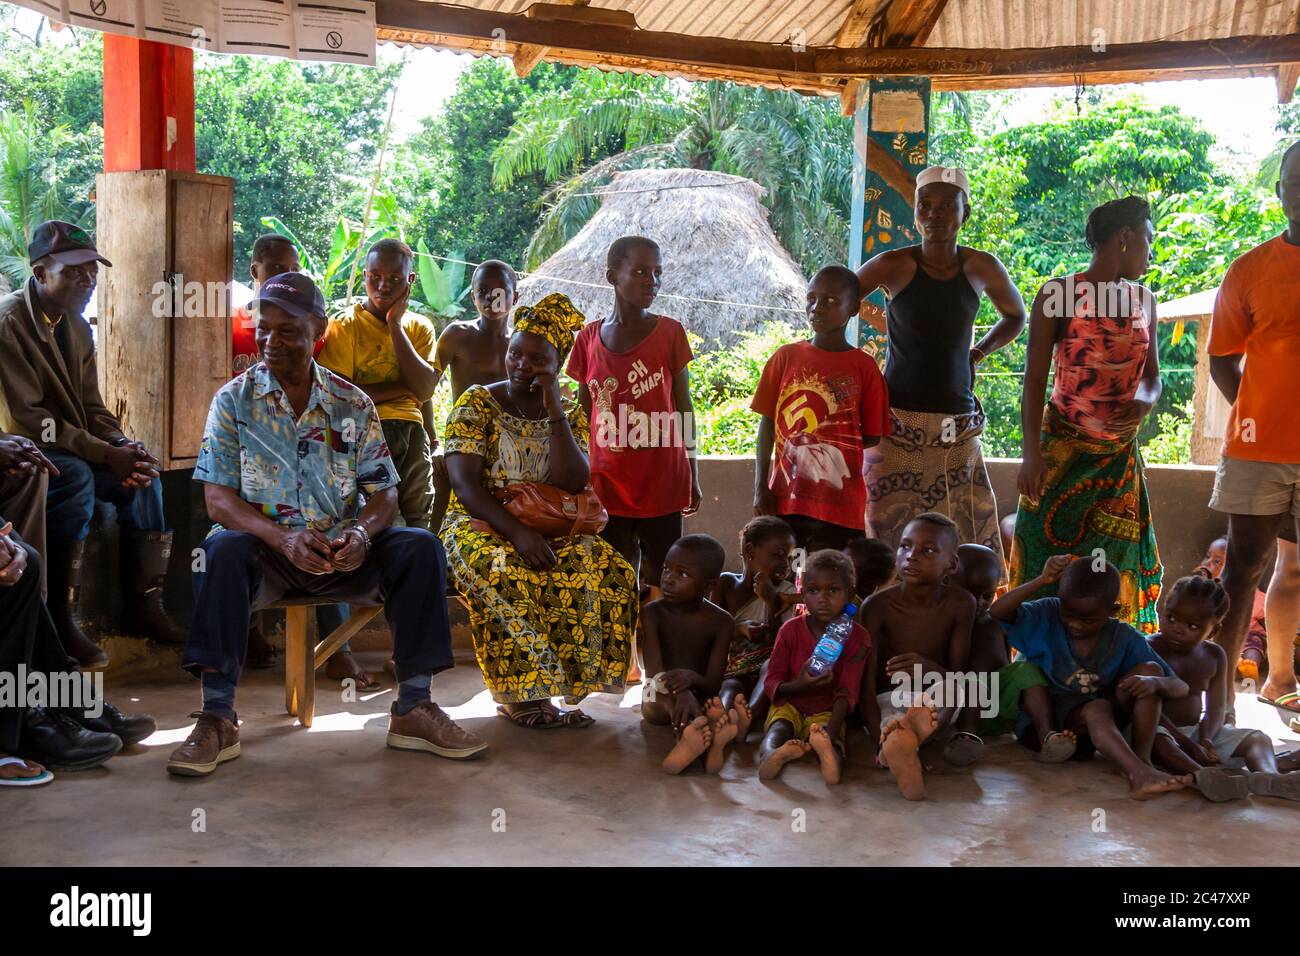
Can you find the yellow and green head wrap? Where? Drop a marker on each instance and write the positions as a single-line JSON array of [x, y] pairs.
[[553, 318]]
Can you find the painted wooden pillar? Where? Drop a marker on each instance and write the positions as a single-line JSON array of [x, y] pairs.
[[891, 130], [148, 105]]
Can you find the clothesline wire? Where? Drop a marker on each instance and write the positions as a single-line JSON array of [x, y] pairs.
[[729, 302]]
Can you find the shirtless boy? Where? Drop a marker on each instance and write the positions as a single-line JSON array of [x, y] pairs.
[[473, 352], [686, 637], [979, 573], [920, 622], [1191, 741], [873, 562], [1101, 673]]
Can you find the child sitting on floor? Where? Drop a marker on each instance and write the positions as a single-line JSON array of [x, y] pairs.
[[808, 711], [1101, 673], [873, 562], [919, 624], [1253, 663], [979, 573], [686, 637], [1195, 740], [759, 600]]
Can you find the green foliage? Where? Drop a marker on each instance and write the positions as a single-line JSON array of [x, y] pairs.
[[798, 148], [31, 190], [1172, 443], [295, 137], [452, 158], [723, 384]]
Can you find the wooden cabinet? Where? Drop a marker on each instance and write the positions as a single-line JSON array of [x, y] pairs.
[[164, 306]]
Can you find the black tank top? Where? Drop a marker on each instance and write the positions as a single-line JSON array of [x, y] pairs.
[[930, 326]]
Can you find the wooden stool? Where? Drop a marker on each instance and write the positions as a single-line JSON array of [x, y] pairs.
[[303, 654]]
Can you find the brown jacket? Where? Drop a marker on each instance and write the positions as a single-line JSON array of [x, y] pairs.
[[37, 387]]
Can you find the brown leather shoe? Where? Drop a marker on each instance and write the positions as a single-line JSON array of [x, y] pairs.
[[213, 740], [426, 727]]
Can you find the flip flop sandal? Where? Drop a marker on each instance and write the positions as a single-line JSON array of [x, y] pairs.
[[43, 777], [963, 749], [1050, 752], [575, 719], [1287, 702], [535, 718], [1218, 785]]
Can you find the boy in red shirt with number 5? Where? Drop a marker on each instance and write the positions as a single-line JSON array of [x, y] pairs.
[[823, 403]]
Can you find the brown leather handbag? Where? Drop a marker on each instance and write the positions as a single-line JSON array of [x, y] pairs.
[[549, 510]]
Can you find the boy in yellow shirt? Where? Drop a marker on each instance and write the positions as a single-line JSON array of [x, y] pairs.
[[388, 354]]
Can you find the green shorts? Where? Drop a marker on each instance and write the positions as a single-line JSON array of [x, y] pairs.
[[408, 444], [1013, 680]]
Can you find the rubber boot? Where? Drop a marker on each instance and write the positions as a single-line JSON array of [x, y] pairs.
[[144, 570], [64, 580]]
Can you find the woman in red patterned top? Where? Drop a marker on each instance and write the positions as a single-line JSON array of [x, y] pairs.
[[1081, 482]]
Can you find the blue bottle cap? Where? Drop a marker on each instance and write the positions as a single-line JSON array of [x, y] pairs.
[[850, 609]]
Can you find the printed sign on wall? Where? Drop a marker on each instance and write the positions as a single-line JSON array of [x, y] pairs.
[[340, 31]]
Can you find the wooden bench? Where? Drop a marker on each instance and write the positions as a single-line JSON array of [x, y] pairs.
[[303, 654]]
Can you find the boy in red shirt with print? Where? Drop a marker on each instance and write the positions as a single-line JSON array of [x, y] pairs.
[[634, 385], [822, 403]]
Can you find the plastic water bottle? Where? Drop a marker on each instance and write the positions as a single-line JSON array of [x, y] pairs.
[[831, 645]]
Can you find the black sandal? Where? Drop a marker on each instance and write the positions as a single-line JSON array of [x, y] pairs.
[[536, 717]]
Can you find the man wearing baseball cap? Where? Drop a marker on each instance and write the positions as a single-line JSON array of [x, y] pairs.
[[298, 477], [49, 393]]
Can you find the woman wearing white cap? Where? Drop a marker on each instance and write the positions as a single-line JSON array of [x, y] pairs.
[[932, 461]]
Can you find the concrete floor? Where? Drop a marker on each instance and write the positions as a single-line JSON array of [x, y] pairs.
[[335, 794]]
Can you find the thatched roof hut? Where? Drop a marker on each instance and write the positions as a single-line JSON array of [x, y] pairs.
[[717, 247]]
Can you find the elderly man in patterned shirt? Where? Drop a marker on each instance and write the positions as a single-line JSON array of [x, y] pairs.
[[299, 480]]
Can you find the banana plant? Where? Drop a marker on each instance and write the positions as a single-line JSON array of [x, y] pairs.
[[441, 286]]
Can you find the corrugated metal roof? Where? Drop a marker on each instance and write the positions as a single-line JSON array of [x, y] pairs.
[[1005, 24], [984, 25], [980, 24]]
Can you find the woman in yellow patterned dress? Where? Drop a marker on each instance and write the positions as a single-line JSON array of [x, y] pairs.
[[550, 617]]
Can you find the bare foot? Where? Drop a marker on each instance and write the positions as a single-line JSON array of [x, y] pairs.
[[824, 748], [21, 770], [723, 734], [782, 755], [716, 713], [1150, 782], [743, 717], [898, 747], [696, 738], [343, 665], [922, 721]]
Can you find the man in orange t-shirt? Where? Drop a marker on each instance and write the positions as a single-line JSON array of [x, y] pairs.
[[1257, 316]]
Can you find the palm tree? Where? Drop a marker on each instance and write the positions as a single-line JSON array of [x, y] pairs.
[[799, 149], [30, 190]]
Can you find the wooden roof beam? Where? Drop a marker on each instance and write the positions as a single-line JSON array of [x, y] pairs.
[[893, 23], [909, 22], [828, 67], [1288, 75], [853, 31]]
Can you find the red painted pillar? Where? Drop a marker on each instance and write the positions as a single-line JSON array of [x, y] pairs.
[[148, 105]]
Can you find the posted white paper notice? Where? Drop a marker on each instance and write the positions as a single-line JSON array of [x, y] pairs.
[[172, 21], [262, 27], [343, 32]]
